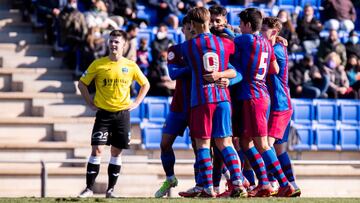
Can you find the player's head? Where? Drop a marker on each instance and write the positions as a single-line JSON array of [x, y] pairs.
[[116, 42], [200, 19], [271, 27], [217, 16], [186, 29], [250, 20]]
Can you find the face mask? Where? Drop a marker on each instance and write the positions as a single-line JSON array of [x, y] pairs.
[[331, 64], [97, 34], [354, 39], [161, 35], [73, 5], [283, 20]]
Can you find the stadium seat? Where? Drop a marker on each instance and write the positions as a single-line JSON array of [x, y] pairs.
[[349, 137], [287, 2], [233, 15], [305, 137], [313, 3], [157, 108], [349, 111], [303, 111], [151, 133], [173, 34], [145, 33], [137, 114], [326, 111], [326, 137]]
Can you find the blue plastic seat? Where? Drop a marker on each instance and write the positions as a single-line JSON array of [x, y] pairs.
[[233, 14], [349, 137], [303, 111], [151, 133], [313, 3], [326, 111], [156, 108], [287, 2], [137, 114], [326, 137], [305, 136], [173, 34], [349, 111]]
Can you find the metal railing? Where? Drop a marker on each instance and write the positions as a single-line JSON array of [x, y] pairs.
[[44, 173]]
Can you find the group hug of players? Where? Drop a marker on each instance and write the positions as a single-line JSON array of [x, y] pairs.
[[232, 92]]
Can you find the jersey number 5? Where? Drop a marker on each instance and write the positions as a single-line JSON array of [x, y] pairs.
[[262, 66], [211, 61]]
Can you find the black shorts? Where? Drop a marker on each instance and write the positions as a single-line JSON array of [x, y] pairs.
[[112, 128]]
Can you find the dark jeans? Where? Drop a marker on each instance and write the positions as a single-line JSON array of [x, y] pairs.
[[315, 89]]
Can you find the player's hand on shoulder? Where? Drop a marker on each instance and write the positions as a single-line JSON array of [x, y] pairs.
[[282, 40]]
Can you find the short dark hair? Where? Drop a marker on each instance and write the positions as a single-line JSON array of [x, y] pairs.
[[118, 33], [199, 15], [131, 27], [218, 10], [272, 22], [186, 20], [252, 16]]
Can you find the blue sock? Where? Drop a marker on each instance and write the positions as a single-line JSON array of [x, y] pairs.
[[257, 163], [249, 175], [197, 174], [231, 161], [273, 166], [285, 162], [168, 162], [217, 167], [205, 166]]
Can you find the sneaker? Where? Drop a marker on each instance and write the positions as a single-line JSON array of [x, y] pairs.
[[234, 191], [297, 193], [110, 193], [192, 192], [164, 189], [207, 193], [286, 191], [261, 191], [246, 183], [86, 193]]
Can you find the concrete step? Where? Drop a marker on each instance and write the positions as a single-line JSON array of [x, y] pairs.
[[15, 107], [5, 82], [11, 15], [30, 74], [47, 151], [16, 27], [21, 38], [11, 61], [26, 50], [45, 86]]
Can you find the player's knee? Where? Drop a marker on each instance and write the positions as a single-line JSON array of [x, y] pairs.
[[96, 151]]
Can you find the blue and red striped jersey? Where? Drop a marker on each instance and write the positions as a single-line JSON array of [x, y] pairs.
[[204, 54], [179, 72], [253, 54], [278, 83]]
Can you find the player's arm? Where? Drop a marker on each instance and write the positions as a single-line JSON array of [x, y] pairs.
[[175, 66], [225, 82], [141, 79], [214, 76], [86, 95], [274, 66]]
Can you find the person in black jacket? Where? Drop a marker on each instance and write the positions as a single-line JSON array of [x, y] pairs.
[[353, 46], [308, 30]]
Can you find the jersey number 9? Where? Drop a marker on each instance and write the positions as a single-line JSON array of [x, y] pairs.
[[211, 61]]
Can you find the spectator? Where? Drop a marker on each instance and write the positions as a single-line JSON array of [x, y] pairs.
[[131, 44], [143, 56], [161, 41], [47, 13], [159, 78], [73, 29], [94, 48], [308, 30], [288, 31], [306, 81], [352, 69], [339, 14], [331, 44], [168, 11], [339, 83], [353, 46], [97, 16]]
